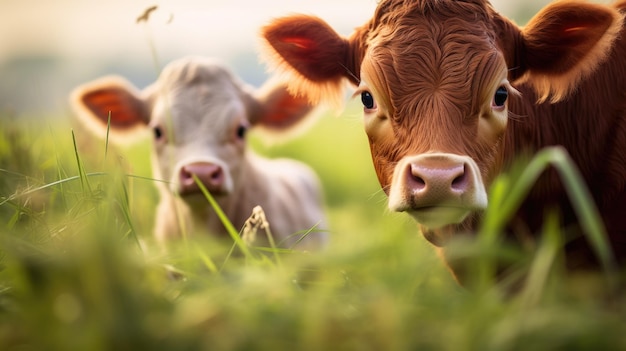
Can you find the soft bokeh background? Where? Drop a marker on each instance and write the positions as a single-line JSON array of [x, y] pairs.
[[47, 47], [69, 282]]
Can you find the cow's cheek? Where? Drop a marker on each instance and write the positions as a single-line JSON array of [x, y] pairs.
[[233, 156], [486, 143], [491, 127], [381, 140], [164, 161], [383, 150], [383, 168]]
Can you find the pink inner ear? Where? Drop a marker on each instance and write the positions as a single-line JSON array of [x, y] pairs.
[[301, 43], [574, 29], [125, 112], [287, 111]]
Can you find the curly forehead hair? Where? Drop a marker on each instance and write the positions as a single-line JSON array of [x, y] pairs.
[[393, 17], [423, 42], [391, 11], [429, 6]]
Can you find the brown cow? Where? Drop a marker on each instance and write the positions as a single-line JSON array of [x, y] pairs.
[[199, 114], [453, 92]]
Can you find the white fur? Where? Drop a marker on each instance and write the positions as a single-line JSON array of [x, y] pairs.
[[198, 105]]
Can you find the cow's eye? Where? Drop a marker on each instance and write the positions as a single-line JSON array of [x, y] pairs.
[[241, 131], [158, 133], [499, 98], [368, 100]]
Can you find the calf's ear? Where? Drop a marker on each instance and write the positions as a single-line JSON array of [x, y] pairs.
[[313, 56], [112, 96], [278, 110], [565, 42]]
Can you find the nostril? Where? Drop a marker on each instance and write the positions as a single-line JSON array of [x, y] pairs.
[[216, 178], [460, 181], [438, 177], [217, 174], [210, 175], [417, 180], [185, 175]]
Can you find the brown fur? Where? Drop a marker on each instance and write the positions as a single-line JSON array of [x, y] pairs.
[[433, 67]]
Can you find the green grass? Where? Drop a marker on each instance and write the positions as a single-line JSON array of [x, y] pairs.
[[79, 269]]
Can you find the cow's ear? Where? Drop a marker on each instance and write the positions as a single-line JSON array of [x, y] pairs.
[[277, 110], [112, 96], [565, 42], [313, 56]]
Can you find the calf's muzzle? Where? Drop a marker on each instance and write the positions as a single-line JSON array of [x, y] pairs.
[[210, 175], [437, 189]]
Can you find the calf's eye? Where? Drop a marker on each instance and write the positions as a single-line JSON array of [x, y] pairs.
[[368, 100], [158, 133], [499, 98], [241, 131]]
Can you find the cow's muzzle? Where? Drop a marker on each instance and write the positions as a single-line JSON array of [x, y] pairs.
[[437, 189], [211, 175]]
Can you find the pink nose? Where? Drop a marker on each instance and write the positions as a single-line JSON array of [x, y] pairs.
[[209, 174], [435, 180], [437, 189]]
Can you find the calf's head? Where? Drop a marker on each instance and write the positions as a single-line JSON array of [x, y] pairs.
[[436, 79], [198, 113]]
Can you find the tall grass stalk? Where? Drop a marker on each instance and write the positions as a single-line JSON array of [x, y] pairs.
[[507, 196], [123, 200], [60, 172], [106, 141], [543, 262], [51, 185], [230, 229], [84, 180]]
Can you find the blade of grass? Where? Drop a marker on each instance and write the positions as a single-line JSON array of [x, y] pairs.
[[551, 243], [106, 142], [584, 206], [234, 234], [208, 263], [61, 181], [144, 19], [273, 248], [65, 180], [485, 264], [124, 203], [60, 173], [13, 220], [580, 197], [301, 235], [84, 182]]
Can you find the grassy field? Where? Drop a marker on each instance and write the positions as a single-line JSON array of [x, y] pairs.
[[79, 269]]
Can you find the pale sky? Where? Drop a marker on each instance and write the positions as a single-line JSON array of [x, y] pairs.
[[76, 40], [95, 28]]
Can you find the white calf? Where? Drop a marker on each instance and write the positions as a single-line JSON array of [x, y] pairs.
[[199, 113]]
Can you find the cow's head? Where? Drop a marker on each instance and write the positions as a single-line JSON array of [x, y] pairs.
[[436, 78], [199, 114]]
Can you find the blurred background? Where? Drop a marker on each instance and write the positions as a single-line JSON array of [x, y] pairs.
[[48, 47], [67, 281]]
